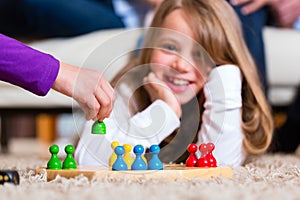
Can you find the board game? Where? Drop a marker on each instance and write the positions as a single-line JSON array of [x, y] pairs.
[[120, 165], [170, 172]]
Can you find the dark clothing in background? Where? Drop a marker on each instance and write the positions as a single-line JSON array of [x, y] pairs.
[[252, 26], [51, 18]]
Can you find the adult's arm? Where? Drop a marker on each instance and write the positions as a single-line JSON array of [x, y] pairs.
[[38, 72], [26, 67]]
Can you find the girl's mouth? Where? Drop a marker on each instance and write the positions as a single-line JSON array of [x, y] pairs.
[[177, 84]]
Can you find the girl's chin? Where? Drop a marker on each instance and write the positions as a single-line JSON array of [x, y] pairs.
[[184, 93], [184, 99]]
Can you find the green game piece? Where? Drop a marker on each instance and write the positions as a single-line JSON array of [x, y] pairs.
[[69, 162], [54, 162], [99, 128]]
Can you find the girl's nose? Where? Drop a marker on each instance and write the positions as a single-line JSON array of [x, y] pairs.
[[182, 65]]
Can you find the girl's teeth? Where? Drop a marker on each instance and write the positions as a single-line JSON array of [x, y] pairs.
[[179, 82]]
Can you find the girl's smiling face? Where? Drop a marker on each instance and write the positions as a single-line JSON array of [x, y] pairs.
[[177, 58]]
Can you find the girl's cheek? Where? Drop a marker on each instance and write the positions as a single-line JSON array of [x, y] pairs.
[[156, 58], [160, 58]]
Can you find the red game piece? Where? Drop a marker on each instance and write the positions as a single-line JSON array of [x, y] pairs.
[[207, 159], [191, 161]]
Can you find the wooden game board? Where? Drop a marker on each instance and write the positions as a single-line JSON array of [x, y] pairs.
[[170, 173]]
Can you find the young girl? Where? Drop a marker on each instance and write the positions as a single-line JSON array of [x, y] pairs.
[[175, 93]]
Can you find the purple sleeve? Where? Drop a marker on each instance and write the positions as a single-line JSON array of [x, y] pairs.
[[26, 67]]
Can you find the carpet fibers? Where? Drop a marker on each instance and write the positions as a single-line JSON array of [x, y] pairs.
[[262, 177]]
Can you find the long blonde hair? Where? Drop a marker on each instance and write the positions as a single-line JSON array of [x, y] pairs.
[[218, 30]]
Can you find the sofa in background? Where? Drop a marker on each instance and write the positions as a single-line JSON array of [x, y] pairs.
[[283, 64]]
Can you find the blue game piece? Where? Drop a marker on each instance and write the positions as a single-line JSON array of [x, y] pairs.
[[119, 164], [155, 163], [138, 163]]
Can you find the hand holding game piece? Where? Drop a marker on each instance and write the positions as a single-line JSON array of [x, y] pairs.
[[69, 162], [119, 164], [139, 163], [191, 161], [99, 128], [54, 162], [154, 162]]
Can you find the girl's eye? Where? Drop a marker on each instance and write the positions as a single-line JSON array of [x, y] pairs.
[[197, 54], [169, 47]]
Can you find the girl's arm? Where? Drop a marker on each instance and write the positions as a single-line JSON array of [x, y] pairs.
[[221, 120], [148, 127]]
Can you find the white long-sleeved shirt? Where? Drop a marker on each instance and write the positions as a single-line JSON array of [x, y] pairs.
[[221, 119], [221, 123]]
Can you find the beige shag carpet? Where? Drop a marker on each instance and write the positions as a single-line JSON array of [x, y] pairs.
[[263, 177]]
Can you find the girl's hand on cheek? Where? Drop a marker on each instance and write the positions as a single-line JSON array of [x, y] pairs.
[[157, 89]]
